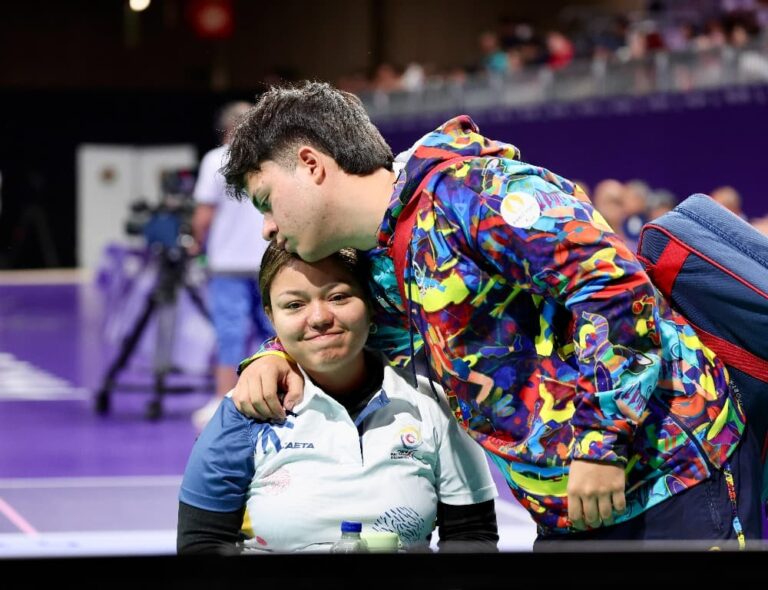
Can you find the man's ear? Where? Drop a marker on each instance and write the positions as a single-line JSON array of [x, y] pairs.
[[313, 162]]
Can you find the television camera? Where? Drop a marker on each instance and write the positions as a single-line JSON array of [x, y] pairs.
[[167, 232]]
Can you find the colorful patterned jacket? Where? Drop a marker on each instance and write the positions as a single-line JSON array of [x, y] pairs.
[[545, 331]]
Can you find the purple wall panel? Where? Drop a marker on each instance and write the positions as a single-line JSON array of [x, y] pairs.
[[684, 143]]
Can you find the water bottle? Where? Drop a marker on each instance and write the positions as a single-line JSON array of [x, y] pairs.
[[350, 541]]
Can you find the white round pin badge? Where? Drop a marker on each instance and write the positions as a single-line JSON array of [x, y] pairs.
[[520, 210]]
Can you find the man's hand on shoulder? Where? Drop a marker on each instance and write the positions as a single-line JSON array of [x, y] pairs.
[[263, 384]]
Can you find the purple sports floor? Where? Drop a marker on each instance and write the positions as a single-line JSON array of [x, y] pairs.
[[73, 482]]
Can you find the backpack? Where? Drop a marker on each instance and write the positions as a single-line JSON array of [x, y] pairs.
[[712, 266]]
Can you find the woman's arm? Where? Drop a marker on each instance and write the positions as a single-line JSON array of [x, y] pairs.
[[206, 532], [214, 489], [466, 513], [468, 528]]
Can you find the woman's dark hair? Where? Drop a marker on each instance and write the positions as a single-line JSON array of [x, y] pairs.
[[276, 259], [313, 113]]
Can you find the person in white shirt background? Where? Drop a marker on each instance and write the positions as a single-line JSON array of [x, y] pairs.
[[363, 445], [229, 232]]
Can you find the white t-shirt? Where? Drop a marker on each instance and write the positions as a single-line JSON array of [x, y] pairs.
[[388, 469], [234, 240]]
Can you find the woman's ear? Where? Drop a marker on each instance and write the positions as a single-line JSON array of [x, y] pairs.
[[268, 313]]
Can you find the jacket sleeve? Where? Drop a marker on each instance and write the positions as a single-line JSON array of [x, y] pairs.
[[544, 240], [267, 348]]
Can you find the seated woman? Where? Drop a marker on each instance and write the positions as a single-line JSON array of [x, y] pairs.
[[363, 445]]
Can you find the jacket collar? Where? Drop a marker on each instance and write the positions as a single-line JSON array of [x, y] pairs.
[[457, 137]]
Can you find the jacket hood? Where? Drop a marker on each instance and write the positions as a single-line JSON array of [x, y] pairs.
[[456, 138]]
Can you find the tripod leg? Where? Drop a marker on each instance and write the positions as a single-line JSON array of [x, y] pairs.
[[126, 349], [154, 409], [166, 329], [197, 299]]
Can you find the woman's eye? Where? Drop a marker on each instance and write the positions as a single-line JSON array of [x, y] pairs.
[[293, 305], [339, 297]]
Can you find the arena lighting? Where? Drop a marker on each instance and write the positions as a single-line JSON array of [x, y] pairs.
[[138, 5]]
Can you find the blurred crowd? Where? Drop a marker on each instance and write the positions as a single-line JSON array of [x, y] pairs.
[[703, 28], [627, 206]]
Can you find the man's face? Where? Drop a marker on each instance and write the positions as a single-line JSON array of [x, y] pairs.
[[294, 208]]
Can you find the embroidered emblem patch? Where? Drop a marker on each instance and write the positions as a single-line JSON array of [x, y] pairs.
[[410, 436], [520, 210]]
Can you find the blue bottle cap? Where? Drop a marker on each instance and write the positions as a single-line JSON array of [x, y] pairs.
[[348, 526]]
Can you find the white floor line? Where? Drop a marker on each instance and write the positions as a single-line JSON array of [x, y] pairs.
[[91, 482], [53, 276], [71, 544], [16, 519], [21, 380]]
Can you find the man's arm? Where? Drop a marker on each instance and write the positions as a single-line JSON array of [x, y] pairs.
[[269, 383]]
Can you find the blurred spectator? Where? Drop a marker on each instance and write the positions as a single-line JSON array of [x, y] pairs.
[[636, 48], [752, 65], [761, 224], [608, 42], [623, 49], [386, 78], [729, 198], [533, 50], [559, 50], [413, 77], [231, 233], [636, 193], [515, 61], [494, 59], [714, 35], [608, 199], [660, 201], [681, 37], [511, 35]]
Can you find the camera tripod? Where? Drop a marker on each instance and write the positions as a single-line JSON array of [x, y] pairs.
[[162, 301]]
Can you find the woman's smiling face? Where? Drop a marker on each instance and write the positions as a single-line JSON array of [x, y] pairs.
[[320, 314]]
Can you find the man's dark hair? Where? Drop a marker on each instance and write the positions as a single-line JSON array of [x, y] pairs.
[[312, 113]]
